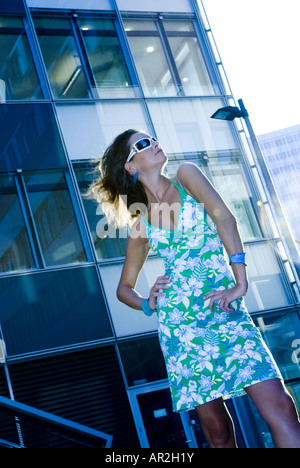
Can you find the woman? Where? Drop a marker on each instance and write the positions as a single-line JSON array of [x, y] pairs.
[[211, 347]]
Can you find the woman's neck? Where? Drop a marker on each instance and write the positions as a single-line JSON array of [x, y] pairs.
[[156, 188]]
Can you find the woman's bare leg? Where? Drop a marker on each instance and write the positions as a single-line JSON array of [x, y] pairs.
[[217, 424], [278, 410]]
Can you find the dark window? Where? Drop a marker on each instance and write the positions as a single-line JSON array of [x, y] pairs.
[[15, 249], [54, 218], [46, 310], [17, 68], [143, 361], [62, 58], [29, 138], [106, 58]]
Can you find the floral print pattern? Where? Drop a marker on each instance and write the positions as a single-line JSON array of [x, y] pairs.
[[208, 355]]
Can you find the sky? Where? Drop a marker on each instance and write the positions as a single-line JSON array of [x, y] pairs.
[[259, 42]]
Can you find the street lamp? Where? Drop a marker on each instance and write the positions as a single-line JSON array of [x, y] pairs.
[[230, 113]]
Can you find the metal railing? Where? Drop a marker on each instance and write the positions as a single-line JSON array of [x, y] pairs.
[[22, 426]]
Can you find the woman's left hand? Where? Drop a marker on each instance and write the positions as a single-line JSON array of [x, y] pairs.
[[226, 296]]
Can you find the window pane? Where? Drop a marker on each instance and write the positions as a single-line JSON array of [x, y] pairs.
[[188, 57], [89, 128], [15, 251], [30, 138], [150, 59], [54, 218], [279, 334], [185, 126], [267, 289], [114, 244], [143, 361], [229, 180], [128, 321], [106, 58], [62, 60], [16, 64], [51, 309]]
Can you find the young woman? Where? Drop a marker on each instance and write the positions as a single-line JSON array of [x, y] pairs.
[[211, 347]]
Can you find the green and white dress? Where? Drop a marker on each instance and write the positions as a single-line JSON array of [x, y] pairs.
[[208, 355]]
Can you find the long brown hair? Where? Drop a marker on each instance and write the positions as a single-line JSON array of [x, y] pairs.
[[113, 186]]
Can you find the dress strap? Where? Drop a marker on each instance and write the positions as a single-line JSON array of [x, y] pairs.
[[144, 220], [179, 183]]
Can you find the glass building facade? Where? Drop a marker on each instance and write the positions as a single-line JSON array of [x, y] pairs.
[[74, 74]]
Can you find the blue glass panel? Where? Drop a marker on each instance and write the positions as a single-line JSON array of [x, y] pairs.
[[12, 6], [17, 69], [54, 218], [62, 58], [51, 309], [15, 250], [29, 138]]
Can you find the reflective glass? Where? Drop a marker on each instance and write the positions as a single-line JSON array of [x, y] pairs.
[[185, 126], [17, 68], [113, 242], [143, 361], [192, 69], [54, 218], [47, 310], [29, 138], [62, 59], [267, 288], [229, 180], [129, 321], [89, 128], [106, 58], [15, 250], [280, 336], [150, 58]]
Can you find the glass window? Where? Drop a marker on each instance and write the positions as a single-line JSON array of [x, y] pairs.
[[267, 289], [30, 138], [143, 361], [89, 128], [128, 321], [228, 178], [150, 58], [170, 66], [185, 126], [47, 310], [227, 175], [189, 59], [15, 250], [279, 334], [109, 245], [54, 218], [106, 58], [17, 68], [62, 59]]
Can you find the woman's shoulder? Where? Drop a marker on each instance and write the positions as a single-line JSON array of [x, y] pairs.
[[187, 168]]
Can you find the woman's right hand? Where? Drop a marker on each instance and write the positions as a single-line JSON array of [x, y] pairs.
[[162, 282]]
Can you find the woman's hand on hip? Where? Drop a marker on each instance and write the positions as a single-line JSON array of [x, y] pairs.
[[225, 297], [161, 283]]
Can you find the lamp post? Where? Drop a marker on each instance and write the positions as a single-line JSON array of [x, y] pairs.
[[230, 113]]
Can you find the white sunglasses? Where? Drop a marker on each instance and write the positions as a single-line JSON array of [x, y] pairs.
[[140, 146]]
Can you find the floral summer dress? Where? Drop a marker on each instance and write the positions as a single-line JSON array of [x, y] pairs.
[[208, 355]]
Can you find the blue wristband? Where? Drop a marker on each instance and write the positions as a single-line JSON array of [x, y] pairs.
[[147, 309], [238, 258]]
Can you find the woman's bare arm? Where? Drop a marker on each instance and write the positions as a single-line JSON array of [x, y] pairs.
[[136, 254]]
